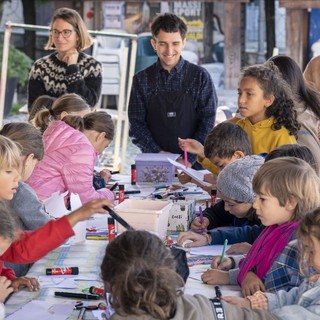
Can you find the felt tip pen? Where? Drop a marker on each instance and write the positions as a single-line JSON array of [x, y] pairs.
[[114, 172], [114, 186], [132, 191], [98, 291], [223, 250], [76, 295], [186, 156], [97, 237]]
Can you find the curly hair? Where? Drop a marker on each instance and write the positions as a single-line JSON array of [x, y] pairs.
[[140, 274], [309, 226], [272, 83]]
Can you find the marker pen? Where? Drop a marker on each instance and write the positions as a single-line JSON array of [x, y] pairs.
[[98, 291], [132, 191], [76, 295], [114, 186], [62, 271]]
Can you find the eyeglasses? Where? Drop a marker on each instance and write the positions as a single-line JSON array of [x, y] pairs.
[[66, 33]]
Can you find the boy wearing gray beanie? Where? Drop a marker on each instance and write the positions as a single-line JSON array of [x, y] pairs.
[[234, 187]]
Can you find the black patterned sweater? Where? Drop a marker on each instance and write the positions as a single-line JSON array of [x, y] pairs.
[[50, 76]]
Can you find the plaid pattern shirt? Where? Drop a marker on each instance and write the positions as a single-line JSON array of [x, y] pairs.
[[203, 95], [284, 273]]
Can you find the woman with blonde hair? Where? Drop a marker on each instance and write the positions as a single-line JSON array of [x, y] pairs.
[[68, 69]]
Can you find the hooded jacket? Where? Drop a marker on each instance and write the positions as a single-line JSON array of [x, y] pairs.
[[69, 158], [188, 308]]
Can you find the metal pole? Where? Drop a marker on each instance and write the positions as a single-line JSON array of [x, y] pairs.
[[261, 39], [5, 56]]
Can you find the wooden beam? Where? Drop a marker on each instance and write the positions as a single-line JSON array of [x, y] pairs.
[[297, 35], [232, 44], [299, 4]]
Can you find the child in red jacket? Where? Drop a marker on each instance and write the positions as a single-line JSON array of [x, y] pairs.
[[30, 245]]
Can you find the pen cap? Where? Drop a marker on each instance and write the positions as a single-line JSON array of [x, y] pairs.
[[110, 220]]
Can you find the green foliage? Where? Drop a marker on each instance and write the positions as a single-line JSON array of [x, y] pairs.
[[15, 108], [19, 64]]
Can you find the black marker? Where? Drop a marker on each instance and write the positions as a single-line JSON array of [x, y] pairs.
[[114, 186], [116, 217], [114, 172], [76, 295], [218, 292], [132, 191]]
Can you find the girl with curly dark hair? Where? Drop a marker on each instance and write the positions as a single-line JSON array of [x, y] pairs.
[[268, 106]]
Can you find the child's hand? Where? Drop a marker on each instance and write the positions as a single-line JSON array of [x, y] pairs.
[[5, 288], [87, 210], [215, 277], [237, 301], [193, 146], [251, 284], [198, 239], [184, 178], [239, 248], [211, 178], [225, 265], [198, 227], [31, 283], [105, 174]]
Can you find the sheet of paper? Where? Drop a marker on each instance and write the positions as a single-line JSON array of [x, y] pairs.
[[196, 175], [215, 250], [37, 309], [57, 282]]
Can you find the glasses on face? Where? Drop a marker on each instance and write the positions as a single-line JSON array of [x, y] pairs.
[[66, 33]]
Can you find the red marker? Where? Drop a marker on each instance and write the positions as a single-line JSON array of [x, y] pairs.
[[98, 291], [62, 271]]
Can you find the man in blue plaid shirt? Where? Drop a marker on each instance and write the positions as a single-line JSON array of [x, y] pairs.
[[173, 97]]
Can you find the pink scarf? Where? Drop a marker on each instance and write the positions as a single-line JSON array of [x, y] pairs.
[[266, 248]]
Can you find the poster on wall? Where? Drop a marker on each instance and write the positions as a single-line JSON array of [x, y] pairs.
[[139, 15], [191, 13], [314, 34], [113, 12]]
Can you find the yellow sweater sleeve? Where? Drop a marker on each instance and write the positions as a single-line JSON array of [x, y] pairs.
[[206, 163]]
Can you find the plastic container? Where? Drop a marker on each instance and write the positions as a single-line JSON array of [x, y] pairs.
[[155, 167], [151, 215]]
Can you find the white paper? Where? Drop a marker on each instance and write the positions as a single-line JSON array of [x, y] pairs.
[[55, 206], [37, 309], [196, 175], [57, 282], [215, 250]]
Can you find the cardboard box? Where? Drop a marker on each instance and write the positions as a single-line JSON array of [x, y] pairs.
[[155, 167], [151, 215], [181, 215]]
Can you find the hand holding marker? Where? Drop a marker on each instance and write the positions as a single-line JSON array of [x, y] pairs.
[[201, 219], [223, 250], [186, 156]]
